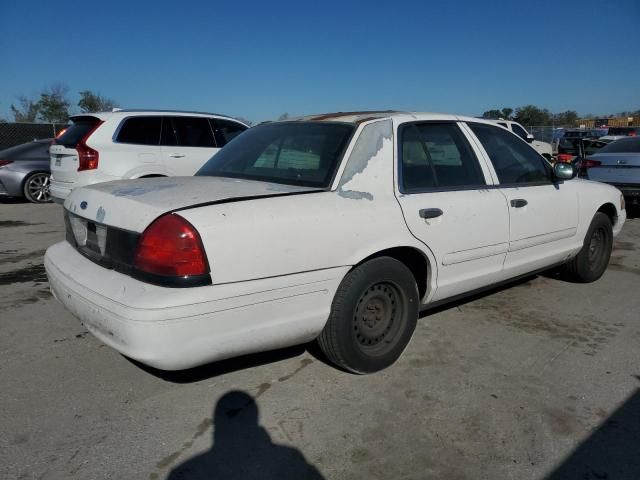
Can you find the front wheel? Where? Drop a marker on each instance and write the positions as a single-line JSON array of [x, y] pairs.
[[593, 259], [373, 316], [36, 187]]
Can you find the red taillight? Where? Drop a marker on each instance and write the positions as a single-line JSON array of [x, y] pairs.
[[87, 156], [5, 162], [171, 246], [632, 133], [565, 157], [589, 163]]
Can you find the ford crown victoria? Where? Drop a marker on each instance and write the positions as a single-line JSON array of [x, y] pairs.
[[339, 227]]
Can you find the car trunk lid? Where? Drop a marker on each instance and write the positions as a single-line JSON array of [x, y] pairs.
[[133, 204], [616, 168]]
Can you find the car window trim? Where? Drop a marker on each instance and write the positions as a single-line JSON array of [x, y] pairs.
[[399, 183]]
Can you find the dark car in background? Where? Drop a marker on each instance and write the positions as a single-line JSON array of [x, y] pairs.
[[24, 171], [617, 164]]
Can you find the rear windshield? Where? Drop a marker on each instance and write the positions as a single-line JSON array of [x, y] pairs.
[[294, 153], [624, 145], [76, 132]]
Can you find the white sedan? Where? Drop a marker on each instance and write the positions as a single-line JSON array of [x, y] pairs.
[[338, 227]]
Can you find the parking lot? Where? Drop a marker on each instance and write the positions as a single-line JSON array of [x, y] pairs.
[[537, 380]]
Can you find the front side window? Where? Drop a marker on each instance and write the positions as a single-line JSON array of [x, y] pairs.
[[436, 155], [226, 130], [294, 153], [140, 131], [514, 161], [193, 132]]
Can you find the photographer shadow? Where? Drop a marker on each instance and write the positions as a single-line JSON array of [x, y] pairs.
[[242, 449]]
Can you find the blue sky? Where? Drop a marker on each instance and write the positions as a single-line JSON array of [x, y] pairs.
[[258, 59]]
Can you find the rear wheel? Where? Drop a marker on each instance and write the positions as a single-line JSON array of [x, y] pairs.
[[373, 316], [36, 187], [591, 262]]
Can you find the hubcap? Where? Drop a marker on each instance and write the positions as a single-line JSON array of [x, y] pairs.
[[38, 187], [376, 314]]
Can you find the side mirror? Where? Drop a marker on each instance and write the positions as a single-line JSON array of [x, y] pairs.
[[564, 171], [530, 138]]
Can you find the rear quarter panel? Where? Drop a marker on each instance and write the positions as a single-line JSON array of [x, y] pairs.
[[284, 235]]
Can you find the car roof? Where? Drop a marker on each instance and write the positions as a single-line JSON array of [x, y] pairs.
[[129, 112], [371, 115]]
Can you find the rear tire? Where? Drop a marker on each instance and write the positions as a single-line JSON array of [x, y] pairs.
[[36, 187], [592, 261], [373, 316]]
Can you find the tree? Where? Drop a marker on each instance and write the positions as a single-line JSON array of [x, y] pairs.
[[531, 115], [566, 118], [245, 121], [94, 102], [26, 111], [493, 114], [284, 116], [54, 105]]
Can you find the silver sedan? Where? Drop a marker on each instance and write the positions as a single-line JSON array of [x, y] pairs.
[[24, 171]]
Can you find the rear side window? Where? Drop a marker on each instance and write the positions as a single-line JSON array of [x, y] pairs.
[[76, 132], [514, 161], [193, 132], [226, 130], [140, 131], [436, 155]]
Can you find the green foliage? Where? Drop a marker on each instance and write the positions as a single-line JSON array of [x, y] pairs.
[[54, 105], [565, 118], [94, 102], [26, 111], [494, 114], [284, 116], [530, 115]]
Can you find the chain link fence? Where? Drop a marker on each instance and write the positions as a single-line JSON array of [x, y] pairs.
[[12, 134]]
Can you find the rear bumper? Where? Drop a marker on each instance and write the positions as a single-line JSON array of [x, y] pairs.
[[174, 329], [59, 191]]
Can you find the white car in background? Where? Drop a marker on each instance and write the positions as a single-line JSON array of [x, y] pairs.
[[122, 144], [543, 148], [338, 227]]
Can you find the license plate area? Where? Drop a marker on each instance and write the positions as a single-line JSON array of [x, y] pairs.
[[89, 235]]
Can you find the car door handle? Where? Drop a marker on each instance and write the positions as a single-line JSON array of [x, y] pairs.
[[427, 213], [518, 202], [176, 155]]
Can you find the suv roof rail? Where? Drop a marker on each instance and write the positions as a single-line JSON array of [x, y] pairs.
[[168, 111]]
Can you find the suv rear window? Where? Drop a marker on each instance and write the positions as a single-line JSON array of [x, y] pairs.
[[77, 131], [140, 131], [193, 132], [293, 153]]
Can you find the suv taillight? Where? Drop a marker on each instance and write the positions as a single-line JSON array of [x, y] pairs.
[[87, 156], [5, 162], [171, 247]]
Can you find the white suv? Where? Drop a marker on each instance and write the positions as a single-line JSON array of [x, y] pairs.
[[122, 144], [542, 148]]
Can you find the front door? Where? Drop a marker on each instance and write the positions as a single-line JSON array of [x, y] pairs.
[[446, 197], [543, 214]]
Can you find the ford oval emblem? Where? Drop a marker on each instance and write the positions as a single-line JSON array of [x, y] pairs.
[[83, 205]]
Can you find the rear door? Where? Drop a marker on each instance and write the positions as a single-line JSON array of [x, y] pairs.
[[188, 143], [447, 202], [63, 153], [543, 215]]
